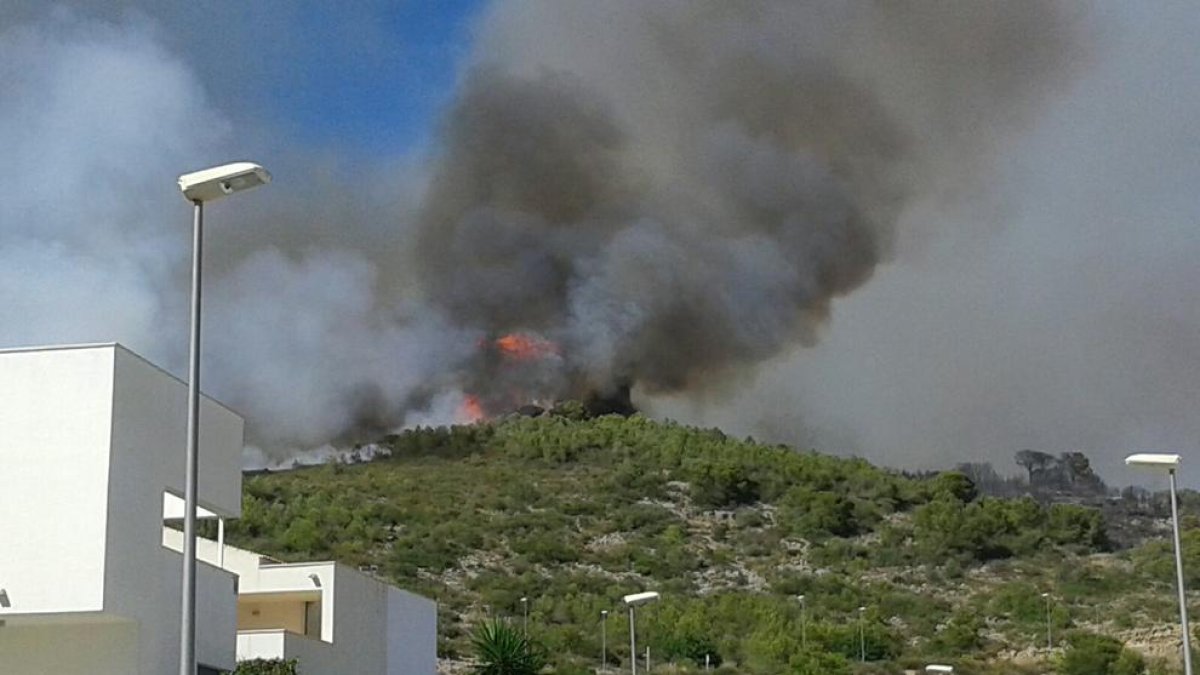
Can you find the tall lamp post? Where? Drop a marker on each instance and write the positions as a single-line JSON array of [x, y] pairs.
[[200, 187], [633, 601], [603, 640], [1049, 628], [525, 616], [1169, 464]]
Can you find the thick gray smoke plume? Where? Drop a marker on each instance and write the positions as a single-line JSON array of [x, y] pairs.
[[920, 231], [670, 192], [674, 192]]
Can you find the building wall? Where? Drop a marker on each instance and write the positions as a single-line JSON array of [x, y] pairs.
[[148, 451], [412, 634], [89, 438], [55, 414], [360, 621], [109, 648]]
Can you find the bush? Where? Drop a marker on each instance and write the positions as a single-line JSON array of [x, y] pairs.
[[266, 667], [819, 663], [1091, 654]]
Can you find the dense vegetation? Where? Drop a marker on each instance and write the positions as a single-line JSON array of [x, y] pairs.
[[573, 513]]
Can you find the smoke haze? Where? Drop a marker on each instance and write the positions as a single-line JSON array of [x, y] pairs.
[[925, 233]]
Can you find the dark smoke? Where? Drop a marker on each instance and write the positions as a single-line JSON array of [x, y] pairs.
[[675, 191]]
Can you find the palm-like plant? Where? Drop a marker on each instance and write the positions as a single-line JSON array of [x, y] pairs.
[[501, 650]]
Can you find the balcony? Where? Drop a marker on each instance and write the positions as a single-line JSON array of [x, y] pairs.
[[283, 644]]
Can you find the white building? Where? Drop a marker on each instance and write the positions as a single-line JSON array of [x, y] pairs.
[[91, 450]]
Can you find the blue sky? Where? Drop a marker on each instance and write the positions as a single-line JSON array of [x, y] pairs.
[[365, 78], [370, 79]]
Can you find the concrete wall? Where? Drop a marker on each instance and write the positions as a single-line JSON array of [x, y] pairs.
[[55, 425], [102, 648], [411, 634], [360, 621]]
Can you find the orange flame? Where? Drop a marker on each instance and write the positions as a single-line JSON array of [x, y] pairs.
[[470, 410], [525, 347]]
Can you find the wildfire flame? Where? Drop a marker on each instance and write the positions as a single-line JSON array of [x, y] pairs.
[[470, 410], [525, 347], [503, 386]]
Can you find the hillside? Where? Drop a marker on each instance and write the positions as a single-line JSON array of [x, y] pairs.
[[573, 512]]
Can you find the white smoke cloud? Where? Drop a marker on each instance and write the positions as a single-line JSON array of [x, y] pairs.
[[95, 120], [303, 334], [306, 350]]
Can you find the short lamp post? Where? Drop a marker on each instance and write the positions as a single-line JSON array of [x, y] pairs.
[[1049, 624], [603, 640], [1170, 464], [803, 623], [525, 616], [632, 601], [862, 636], [200, 187]]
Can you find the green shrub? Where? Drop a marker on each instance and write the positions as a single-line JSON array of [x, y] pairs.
[[266, 667]]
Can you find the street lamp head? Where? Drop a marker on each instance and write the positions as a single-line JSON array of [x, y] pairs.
[[800, 598], [1147, 460], [211, 184], [604, 612], [640, 598], [524, 599]]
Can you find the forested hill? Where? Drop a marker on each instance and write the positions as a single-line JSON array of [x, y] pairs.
[[574, 512]]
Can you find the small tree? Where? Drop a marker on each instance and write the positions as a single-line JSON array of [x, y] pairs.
[[501, 650]]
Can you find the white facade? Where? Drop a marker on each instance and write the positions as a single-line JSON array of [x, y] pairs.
[[333, 619], [91, 438]]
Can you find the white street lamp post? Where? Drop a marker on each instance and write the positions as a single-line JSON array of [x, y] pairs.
[[862, 636], [632, 601], [803, 623], [200, 187], [525, 617], [1170, 463], [1049, 630], [603, 640]]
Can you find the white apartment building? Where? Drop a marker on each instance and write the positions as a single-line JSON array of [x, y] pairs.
[[91, 463]]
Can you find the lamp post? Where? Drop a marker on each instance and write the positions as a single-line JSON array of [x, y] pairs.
[[200, 187], [525, 616], [632, 601], [862, 636], [603, 640], [1169, 464], [1049, 630], [803, 623]]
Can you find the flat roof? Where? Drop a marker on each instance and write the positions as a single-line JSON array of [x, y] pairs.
[[112, 345]]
